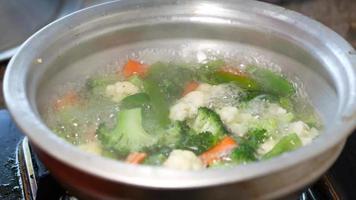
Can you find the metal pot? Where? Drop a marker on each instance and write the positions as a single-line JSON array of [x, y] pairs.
[[73, 47]]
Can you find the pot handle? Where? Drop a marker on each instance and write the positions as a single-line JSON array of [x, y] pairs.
[[350, 112]]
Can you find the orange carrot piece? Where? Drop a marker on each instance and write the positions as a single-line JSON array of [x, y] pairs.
[[133, 67], [136, 157], [69, 99], [219, 150], [191, 86]]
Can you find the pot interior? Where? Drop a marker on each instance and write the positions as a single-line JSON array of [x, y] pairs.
[[87, 50]]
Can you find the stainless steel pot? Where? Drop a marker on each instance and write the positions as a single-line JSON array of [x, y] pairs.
[[75, 46]]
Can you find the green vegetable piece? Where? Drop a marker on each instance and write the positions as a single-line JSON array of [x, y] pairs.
[[157, 155], [243, 154], [208, 121], [180, 136], [256, 136], [205, 72], [137, 81], [160, 106], [135, 101], [171, 78], [287, 143], [246, 150], [173, 134], [286, 103], [128, 135], [243, 82], [164, 84], [214, 64], [198, 143], [97, 85], [271, 82]]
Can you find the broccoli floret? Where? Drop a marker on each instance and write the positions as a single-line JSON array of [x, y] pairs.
[[173, 134], [157, 155], [246, 151], [198, 143], [208, 121], [96, 86], [181, 136], [128, 135]]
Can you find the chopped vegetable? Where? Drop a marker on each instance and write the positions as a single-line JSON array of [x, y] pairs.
[[218, 151], [287, 143], [137, 81], [173, 135], [271, 82], [135, 101], [164, 83], [170, 78], [198, 143], [133, 67], [157, 155], [205, 71], [69, 99], [241, 80], [191, 86], [128, 134], [233, 70], [183, 160], [136, 157], [246, 151], [160, 106], [97, 85], [286, 103], [208, 121]]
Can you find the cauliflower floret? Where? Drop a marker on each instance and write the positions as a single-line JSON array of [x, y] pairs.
[[305, 133], [276, 109], [238, 129], [183, 160], [266, 146], [187, 107], [227, 114], [120, 90], [204, 87]]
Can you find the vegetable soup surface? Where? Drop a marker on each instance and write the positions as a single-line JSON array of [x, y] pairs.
[[185, 116]]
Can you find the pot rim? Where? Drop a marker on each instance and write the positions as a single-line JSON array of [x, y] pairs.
[[27, 118]]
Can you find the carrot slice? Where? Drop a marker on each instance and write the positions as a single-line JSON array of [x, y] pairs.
[[133, 67], [136, 157], [219, 150], [69, 99], [191, 86]]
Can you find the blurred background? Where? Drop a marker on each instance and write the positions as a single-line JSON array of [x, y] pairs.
[[19, 19]]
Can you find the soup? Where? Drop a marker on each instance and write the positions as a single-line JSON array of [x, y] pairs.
[[185, 116]]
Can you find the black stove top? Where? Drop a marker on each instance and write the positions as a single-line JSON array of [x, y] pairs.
[[23, 176]]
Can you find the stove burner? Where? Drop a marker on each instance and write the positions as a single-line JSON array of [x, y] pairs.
[[36, 181]]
